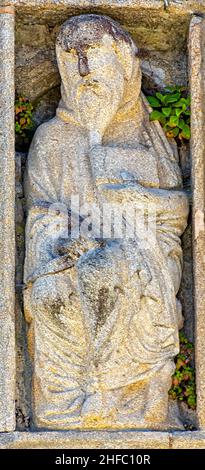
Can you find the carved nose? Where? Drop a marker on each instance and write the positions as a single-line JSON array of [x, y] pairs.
[[83, 66]]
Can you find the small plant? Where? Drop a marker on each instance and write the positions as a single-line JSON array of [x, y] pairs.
[[23, 116], [183, 380], [172, 110]]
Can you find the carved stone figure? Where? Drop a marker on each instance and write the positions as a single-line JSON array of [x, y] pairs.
[[102, 310]]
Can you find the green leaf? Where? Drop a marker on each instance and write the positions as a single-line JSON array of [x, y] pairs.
[[172, 98], [166, 127], [154, 102], [178, 104], [186, 133], [160, 97], [172, 89], [186, 101], [178, 112], [182, 103], [181, 123], [191, 401], [166, 111], [175, 132], [174, 121], [155, 115], [17, 127]]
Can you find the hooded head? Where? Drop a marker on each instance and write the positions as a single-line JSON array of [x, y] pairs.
[[97, 61]]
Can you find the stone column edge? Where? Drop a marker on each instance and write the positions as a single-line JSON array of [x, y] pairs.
[[197, 83], [7, 222]]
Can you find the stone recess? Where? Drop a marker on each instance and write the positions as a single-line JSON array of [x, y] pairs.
[[160, 36], [7, 204], [91, 312], [23, 375]]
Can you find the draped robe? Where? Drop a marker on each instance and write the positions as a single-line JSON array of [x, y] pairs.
[[103, 328]]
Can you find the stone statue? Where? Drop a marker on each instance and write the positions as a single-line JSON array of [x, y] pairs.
[[102, 309]]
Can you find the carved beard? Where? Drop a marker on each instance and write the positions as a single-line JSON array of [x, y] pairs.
[[95, 104], [101, 114]]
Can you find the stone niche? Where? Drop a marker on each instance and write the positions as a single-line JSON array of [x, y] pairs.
[[160, 36], [170, 43]]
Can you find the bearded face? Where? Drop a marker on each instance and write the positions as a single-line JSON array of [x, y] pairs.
[[93, 80]]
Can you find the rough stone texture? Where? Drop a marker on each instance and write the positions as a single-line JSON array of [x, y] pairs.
[[103, 440], [160, 36], [43, 6], [23, 390], [37, 75], [187, 440], [85, 440], [7, 243], [197, 83], [103, 314]]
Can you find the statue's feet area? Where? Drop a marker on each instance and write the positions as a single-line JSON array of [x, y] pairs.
[[105, 413]]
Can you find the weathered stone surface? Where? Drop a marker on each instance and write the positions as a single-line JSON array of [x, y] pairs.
[[103, 440], [85, 440], [36, 73], [46, 106], [179, 6], [39, 33], [103, 313], [7, 231], [188, 440], [197, 80], [160, 37]]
